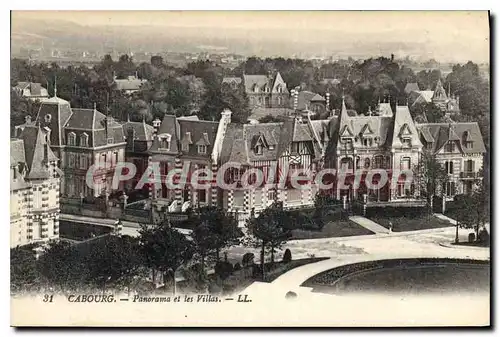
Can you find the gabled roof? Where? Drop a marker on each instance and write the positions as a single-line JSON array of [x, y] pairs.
[[202, 133], [251, 80], [230, 80], [37, 152], [142, 131], [460, 132], [423, 96], [439, 92], [411, 86], [36, 89], [403, 122], [305, 98], [169, 126]]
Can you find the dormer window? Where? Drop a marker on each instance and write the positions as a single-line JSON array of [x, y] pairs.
[[202, 149], [48, 118], [185, 147], [367, 142], [450, 147], [467, 140], [258, 149], [165, 141], [406, 142], [255, 88], [71, 139], [84, 140], [428, 146], [279, 88]]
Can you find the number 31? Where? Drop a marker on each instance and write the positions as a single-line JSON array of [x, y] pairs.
[[48, 298]]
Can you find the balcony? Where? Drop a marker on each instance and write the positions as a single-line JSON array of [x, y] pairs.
[[469, 175]]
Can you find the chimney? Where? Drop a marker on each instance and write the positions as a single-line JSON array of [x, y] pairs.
[[327, 101], [27, 119], [156, 125], [295, 98]]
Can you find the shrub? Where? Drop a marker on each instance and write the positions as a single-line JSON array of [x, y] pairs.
[[471, 237], [248, 259], [287, 257], [237, 267], [214, 288], [223, 269], [484, 236]]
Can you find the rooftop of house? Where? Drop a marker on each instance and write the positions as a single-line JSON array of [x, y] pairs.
[[36, 89], [129, 83], [438, 134]]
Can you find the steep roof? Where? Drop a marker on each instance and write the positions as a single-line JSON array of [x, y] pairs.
[[305, 98], [403, 122], [168, 126], [231, 79], [142, 131], [201, 133], [36, 89], [259, 80], [60, 110], [424, 96], [37, 152], [17, 154], [460, 132], [439, 92], [410, 87]]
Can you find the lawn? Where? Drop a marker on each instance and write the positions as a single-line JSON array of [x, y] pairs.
[[404, 224], [339, 228]]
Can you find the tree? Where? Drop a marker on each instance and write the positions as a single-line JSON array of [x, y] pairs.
[[431, 175], [472, 211], [215, 230], [112, 260], [23, 272], [61, 266], [164, 249], [270, 230]]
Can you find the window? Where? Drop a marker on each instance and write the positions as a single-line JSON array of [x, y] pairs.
[[185, 147], [367, 163], [428, 146], [406, 142], [84, 140], [255, 88], [202, 149], [405, 163], [469, 145], [115, 154], [450, 147], [346, 163], [48, 118], [379, 162], [165, 142], [271, 195], [83, 162], [449, 167], [367, 142], [295, 147], [469, 165], [450, 188], [71, 139], [279, 100], [358, 162], [202, 195], [279, 88], [258, 149]]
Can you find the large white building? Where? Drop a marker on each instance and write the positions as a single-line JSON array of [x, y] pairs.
[[34, 188]]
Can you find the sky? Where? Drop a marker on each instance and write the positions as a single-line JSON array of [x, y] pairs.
[[465, 35]]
